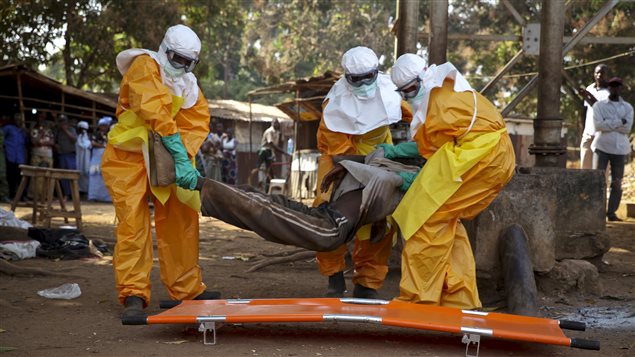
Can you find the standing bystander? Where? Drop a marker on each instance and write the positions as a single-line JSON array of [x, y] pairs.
[[596, 91], [65, 138], [229, 171], [15, 146], [613, 119], [82, 159], [42, 141], [97, 190]]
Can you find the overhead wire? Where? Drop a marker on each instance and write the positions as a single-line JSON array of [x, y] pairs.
[[519, 75]]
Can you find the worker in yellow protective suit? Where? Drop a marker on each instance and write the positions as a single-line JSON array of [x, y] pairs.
[[158, 92], [470, 158], [355, 118]]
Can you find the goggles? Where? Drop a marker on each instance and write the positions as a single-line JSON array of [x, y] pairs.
[[410, 89], [357, 80], [179, 61]]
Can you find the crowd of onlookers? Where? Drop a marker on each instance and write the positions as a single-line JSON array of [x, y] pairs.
[[53, 141], [217, 157]]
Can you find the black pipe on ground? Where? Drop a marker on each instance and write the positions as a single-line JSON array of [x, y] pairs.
[[518, 273]]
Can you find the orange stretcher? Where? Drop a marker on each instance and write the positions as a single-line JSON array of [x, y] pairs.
[[472, 324]]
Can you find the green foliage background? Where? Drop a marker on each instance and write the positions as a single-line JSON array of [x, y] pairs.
[[255, 43]]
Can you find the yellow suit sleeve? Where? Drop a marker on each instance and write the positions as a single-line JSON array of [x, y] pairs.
[[193, 124], [330, 144], [143, 92], [406, 112]]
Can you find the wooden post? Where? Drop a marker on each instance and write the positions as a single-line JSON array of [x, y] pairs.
[[94, 113], [438, 41], [407, 16], [20, 101]]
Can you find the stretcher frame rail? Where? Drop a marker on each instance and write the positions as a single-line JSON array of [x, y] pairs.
[[470, 323]]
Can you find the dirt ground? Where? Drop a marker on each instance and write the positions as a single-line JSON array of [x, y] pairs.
[[90, 325]]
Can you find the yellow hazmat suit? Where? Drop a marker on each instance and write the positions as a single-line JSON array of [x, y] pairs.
[[370, 259], [143, 95], [463, 175]]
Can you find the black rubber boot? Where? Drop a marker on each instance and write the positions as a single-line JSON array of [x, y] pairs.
[[337, 286], [208, 295], [133, 310], [363, 292]]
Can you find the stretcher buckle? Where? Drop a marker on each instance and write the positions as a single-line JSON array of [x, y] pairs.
[[204, 327], [471, 339]]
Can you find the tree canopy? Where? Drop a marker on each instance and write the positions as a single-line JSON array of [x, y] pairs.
[[254, 43]]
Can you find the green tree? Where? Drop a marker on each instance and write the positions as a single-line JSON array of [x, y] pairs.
[[299, 38], [92, 32]]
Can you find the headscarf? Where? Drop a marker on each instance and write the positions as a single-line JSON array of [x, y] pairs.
[[82, 125], [104, 121]]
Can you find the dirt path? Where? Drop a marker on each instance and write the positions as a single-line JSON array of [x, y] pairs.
[[89, 325]]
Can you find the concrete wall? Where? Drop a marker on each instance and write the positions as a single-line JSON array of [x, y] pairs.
[[562, 211]]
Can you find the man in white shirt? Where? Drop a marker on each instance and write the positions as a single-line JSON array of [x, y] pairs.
[[613, 119], [270, 144], [593, 93]]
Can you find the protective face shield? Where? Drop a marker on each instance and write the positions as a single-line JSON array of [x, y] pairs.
[[416, 100], [360, 71], [411, 89], [181, 61], [358, 80], [179, 50]]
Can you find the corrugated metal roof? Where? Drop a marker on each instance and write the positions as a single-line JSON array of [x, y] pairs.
[[235, 110]]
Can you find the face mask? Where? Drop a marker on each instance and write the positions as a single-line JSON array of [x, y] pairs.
[[415, 102], [365, 90], [173, 72]]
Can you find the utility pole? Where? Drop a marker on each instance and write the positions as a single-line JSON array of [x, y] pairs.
[[438, 41], [547, 145], [407, 31]]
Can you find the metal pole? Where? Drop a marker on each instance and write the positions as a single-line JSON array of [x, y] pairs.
[[250, 116], [548, 125], [503, 70], [438, 41], [407, 15], [574, 41], [514, 13]]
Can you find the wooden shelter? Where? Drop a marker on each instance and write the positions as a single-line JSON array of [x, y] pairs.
[[24, 90], [248, 122], [306, 108], [306, 111]]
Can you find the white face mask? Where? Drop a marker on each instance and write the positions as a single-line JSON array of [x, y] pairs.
[[173, 72], [415, 102], [365, 91]]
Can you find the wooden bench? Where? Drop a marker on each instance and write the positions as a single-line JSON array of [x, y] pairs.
[[44, 205]]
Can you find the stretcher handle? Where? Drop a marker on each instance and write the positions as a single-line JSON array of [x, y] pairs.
[[572, 325], [168, 304], [134, 320], [585, 344]]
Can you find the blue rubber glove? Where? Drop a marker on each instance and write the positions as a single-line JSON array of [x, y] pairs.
[[403, 150], [408, 179], [186, 174]]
